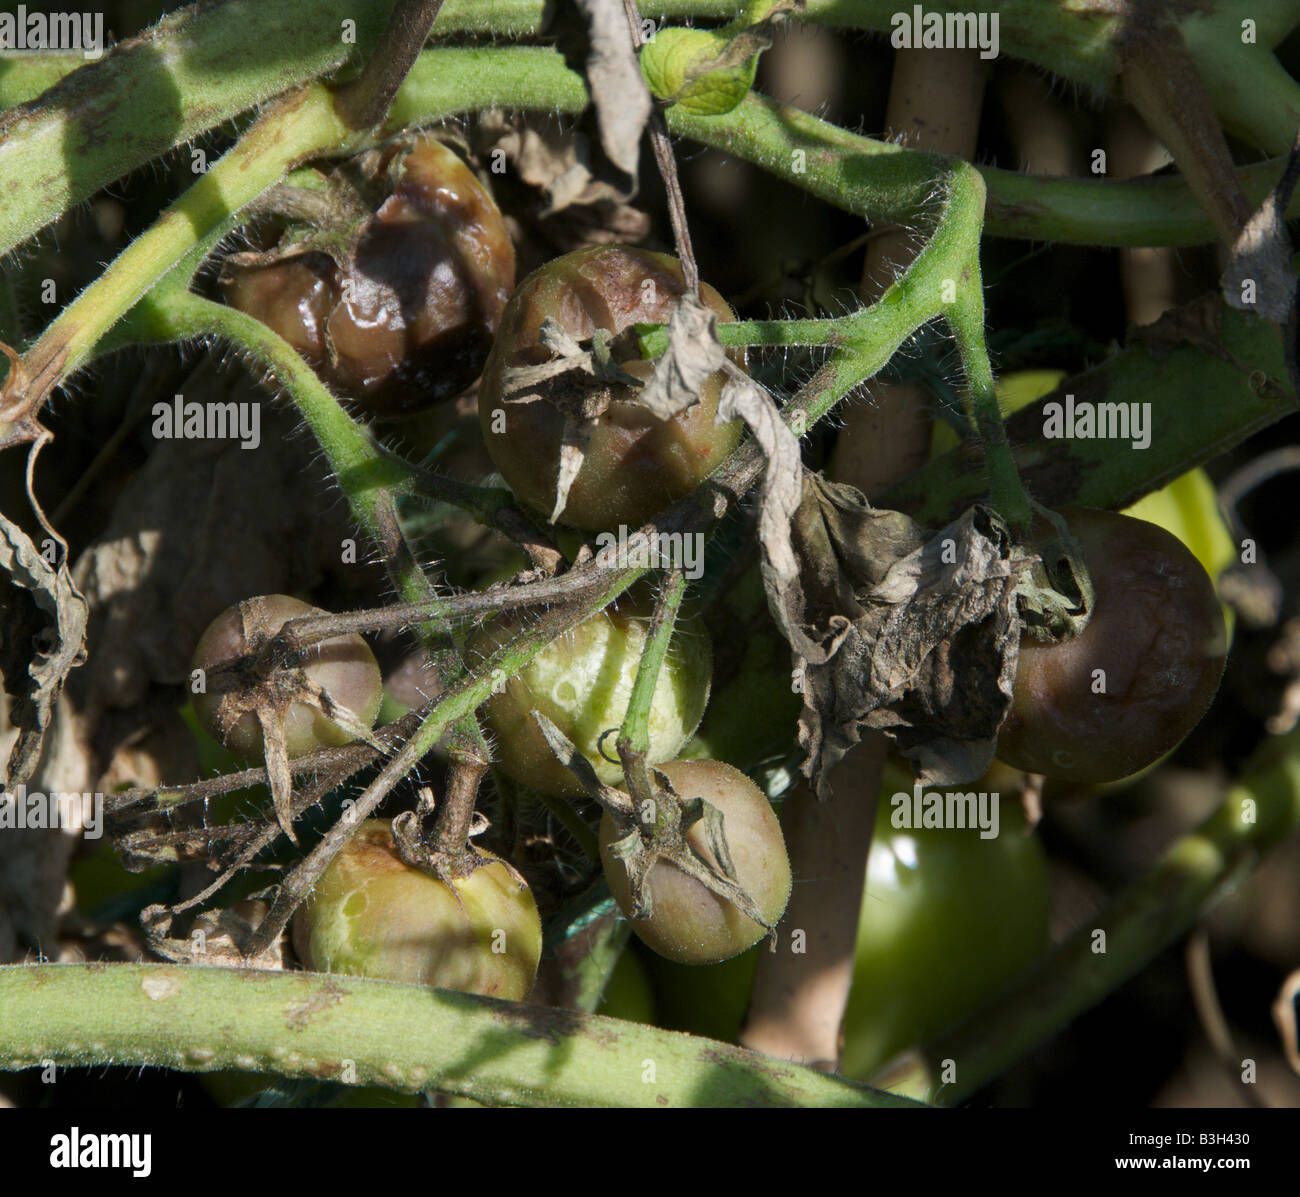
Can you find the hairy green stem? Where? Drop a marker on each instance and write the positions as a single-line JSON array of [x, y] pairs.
[[292, 129], [399, 1036], [635, 731], [966, 320]]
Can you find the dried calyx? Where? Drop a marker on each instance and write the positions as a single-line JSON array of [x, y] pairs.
[[263, 698], [693, 891]]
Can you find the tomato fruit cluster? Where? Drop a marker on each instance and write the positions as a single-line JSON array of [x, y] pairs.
[[947, 919]]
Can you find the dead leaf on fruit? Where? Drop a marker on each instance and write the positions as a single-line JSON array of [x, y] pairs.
[[917, 638], [577, 382], [576, 209], [694, 354]]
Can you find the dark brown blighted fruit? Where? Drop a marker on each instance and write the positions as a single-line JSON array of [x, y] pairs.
[[1157, 636], [409, 320], [342, 666], [689, 923], [635, 464]]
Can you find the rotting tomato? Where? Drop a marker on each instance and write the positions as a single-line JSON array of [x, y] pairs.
[[688, 922], [406, 317], [635, 463], [342, 666], [373, 915], [583, 681], [1141, 674]]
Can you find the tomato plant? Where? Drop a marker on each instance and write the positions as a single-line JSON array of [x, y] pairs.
[[328, 210]]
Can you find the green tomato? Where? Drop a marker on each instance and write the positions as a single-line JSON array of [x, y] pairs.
[[689, 922], [583, 682], [947, 919], [627, 992], [342, 666], [372, 915]]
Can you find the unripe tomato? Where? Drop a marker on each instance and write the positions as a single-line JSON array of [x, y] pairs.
[[342, 666], [582, 682], [409, 320], [635, 464], [1140, 675], [690, 923], [947, 919], [627, 993], [372, 915]]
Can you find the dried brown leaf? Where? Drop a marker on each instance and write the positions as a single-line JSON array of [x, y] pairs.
[[917, 638], [618, 91], [42, 639], [694, 354]]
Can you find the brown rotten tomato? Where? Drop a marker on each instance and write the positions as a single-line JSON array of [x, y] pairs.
[[373, 915], [1138, 678], [635, 463], [342, 666], [406, 318], [689, 923]]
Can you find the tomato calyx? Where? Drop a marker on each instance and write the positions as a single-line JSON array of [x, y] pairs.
[[266, 681], [581, 380], [654, 828], [1055, 596]]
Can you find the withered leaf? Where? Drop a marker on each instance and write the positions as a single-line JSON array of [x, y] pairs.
[[618, 91], [1259, 276], [694, 353], [917, 638], [779, 498], [577, 383], [42, 638]]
